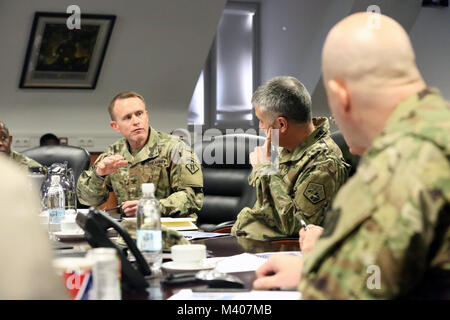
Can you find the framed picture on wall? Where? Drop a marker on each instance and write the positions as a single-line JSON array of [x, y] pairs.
[[62, 58]]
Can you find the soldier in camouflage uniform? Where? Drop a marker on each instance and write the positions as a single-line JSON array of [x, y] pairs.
[[311, 167], [398, 213], [159, 159], [144, 155], [5, 148], [389, 234]]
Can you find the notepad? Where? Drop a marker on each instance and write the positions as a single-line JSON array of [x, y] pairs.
[[179, 224]]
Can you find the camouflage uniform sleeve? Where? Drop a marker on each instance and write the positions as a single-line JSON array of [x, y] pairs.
[[33, 163], [377, 244], [186, 182], [314, 189], [25, 161], [92, 189]]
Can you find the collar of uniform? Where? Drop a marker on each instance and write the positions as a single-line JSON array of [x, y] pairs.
[[148, 151], [13, 155], [404, 110], [322, 129], [405, 107]]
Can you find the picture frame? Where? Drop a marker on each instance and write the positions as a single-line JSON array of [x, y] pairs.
[[60, 58]]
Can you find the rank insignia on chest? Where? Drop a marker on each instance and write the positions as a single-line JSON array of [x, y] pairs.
[[314, 192], [192, 167]]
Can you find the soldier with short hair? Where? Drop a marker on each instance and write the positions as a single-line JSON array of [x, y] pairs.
[[5, 148], [143, 155], [311, 166], [389, 232]]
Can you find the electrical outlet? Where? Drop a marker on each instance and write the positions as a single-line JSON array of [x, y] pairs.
[[82, 142], [26, 142], [18, 143], [89, 142]]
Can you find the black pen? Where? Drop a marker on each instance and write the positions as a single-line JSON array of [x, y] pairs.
[[116, 207], [113, 208]]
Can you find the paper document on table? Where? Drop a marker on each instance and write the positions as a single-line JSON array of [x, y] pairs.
[[240, 263], [196, 235], [266, 255], [179, 223], [188, 294]]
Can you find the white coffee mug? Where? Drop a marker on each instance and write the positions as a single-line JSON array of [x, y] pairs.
[[188, 255]]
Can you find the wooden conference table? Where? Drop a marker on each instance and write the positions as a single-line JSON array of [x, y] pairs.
[[217, 247]]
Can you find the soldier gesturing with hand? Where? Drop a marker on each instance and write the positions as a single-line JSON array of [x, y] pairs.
[[110, 165], [143, 155]]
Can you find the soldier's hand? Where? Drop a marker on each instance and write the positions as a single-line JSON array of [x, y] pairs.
[[129, 208], [110, 165], [261, 154], [308, 237], [280, 271]]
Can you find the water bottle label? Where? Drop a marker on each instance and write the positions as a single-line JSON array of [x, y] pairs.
[[55, 215], [149, 240]]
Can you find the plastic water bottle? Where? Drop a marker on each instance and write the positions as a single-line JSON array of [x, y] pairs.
[[105, 273], [148, 233], [55, 205]]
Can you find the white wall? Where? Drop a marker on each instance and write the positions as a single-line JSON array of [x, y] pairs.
[[430, 37], [292, 35], [157, 48]]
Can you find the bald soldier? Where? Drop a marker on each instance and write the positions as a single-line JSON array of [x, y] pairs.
[[389, 236], [311, 166], [143, 155], [5, 148]]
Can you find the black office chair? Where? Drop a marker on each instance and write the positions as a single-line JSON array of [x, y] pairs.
[[351, 159], [226, 167], [77, 158]]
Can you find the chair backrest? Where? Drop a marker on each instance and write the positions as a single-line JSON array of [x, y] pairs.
[[351, 159], [77, 158], [226, 167]]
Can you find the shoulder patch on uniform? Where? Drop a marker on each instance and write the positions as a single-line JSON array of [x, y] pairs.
[[314, 192], [192, 167]]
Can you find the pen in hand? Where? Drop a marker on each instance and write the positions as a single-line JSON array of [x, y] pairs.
[[304, 224], [113, 208]]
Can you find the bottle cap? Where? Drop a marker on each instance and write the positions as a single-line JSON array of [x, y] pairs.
[[148, 188], [55, 179]]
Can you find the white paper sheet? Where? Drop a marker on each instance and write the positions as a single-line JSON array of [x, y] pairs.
[[268, 254], [187, 294], [192, 235], [240, 263]]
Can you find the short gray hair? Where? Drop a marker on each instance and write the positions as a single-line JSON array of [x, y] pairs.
[[284, 96]]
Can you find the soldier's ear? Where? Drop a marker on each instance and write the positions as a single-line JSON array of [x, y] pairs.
[[339, 94], [114, 125], [282, 124]]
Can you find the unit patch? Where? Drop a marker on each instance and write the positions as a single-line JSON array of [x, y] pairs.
[[314, 192]]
